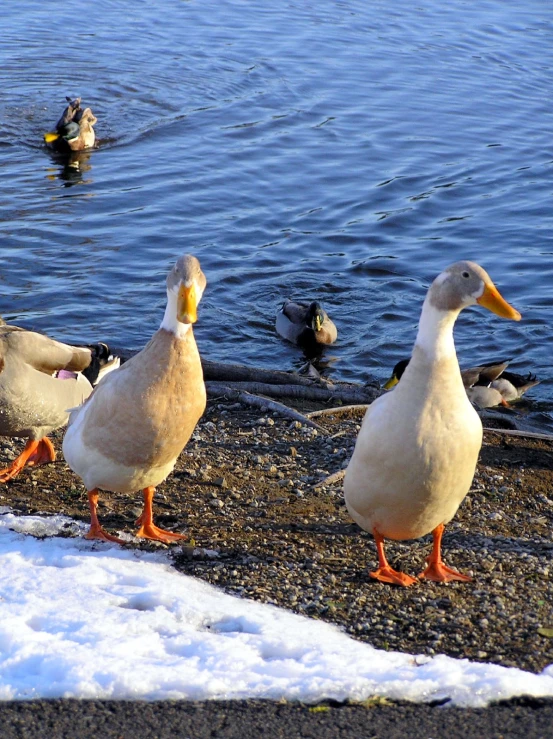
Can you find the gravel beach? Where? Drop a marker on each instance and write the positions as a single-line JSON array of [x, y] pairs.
[[251, 488]]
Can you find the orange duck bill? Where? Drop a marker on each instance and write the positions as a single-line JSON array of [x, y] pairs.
[[492, 299]]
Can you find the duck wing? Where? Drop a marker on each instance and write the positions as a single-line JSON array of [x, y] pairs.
[[295, 312], [40, 352]]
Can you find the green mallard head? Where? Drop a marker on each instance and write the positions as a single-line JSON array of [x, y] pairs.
[[316, 316], [397, 372]]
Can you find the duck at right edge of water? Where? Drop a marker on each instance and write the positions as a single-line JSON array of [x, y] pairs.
[[416, 453], [487, 385]]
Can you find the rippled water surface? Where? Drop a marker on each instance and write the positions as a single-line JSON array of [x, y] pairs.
[[346, 151]]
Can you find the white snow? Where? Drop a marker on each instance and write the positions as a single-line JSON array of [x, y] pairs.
[[91, 620]]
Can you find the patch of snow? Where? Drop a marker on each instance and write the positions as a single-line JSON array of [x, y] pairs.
[[86, 619]]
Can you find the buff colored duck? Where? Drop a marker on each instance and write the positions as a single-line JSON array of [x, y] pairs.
[[74, 130], [305, 324], [40, 379], [417, 449], [129, 433]]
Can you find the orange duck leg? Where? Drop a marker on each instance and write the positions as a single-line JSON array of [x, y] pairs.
[[96, 531], [35, 453], [148, 530], [436, 569], [385, 573]]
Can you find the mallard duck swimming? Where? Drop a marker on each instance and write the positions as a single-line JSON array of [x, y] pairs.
[[417, 449], [74, 130], [305, 324], [487, 385], [40, 379], [129, 433]]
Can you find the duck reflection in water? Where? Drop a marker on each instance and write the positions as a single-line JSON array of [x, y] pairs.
[[73, 168]]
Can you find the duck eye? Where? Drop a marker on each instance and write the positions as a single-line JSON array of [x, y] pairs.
[[466, 275]]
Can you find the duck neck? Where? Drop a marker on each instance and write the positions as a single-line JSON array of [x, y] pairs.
[[170, 322], [435, 334]]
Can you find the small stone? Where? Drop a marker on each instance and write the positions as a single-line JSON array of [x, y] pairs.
[[216, 503]]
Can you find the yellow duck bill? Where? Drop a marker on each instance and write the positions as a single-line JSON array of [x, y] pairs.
[[392, 382], [187, 304]]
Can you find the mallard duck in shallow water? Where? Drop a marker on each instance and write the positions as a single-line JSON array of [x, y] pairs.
[[504, 389], [129, 433], [417, 449], [74, 130], [40, 379], [305, 324], [487, 385], [512, 386]]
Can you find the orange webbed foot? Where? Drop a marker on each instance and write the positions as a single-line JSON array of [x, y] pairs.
[[43, 454], [35, 452], [438, 572], [151, 531], [385, 573], [97, 532], [8, 473], [389, 575], [148, 530], [436, 569]]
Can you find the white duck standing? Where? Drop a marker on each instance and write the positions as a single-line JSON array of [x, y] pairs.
[[131, 430], [417, 449]]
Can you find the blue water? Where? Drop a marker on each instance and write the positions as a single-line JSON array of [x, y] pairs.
[[345, 151]]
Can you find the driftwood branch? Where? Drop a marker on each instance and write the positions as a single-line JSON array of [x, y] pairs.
[[524, 434], [242, 396], [336, 411], [240, 373], [335, 477], [510, 420], [344, 393]]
